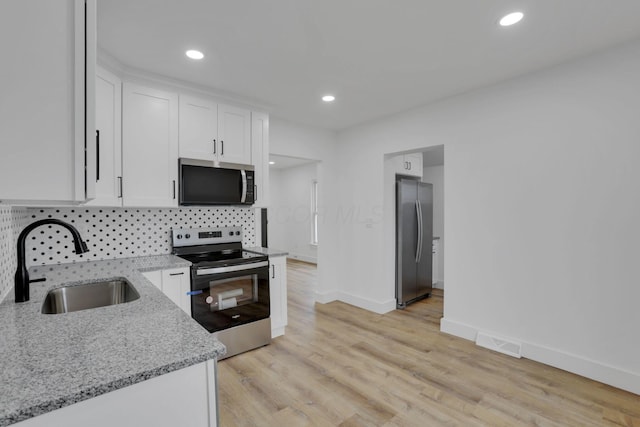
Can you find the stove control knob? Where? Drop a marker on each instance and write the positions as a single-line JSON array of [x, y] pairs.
[[186, 236], [237, 233], [231, 233], [179, 236]]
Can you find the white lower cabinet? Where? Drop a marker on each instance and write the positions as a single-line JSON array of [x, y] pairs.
[[187, 398], [278, 294], [174, 283]]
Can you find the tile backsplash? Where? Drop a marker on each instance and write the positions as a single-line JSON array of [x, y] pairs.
[[11, 222], [110, 233]]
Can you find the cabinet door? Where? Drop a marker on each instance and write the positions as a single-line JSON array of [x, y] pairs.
[[234, 134], [108, 139], [186, 397], [149, 147], [46, 105], [278, 294], [198, 128], [260, 157], [409, 164], [414, 162], [173, 286], [154, 277]]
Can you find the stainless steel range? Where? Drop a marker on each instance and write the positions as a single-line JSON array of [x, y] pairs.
[[229, 286]]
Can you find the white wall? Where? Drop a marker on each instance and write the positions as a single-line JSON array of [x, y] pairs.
[[290, 213], [435, 175], [542, 212]]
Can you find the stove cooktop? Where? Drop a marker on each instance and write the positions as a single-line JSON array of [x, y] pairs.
[[208, 259], [219, 256], [212, 247]]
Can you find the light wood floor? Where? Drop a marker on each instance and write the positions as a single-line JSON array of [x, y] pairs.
[[339, 365]]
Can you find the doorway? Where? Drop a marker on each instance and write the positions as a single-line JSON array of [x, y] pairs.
[[293, 213], [432, 172]]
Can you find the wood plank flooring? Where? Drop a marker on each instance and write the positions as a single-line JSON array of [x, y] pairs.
[[338, 365]]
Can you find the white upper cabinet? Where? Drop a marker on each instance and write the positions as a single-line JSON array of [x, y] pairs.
[[149, 147], [260, 157], [234, 134], [108, 174], [214, 132], [409, 164], [198, 128], [46, 105]]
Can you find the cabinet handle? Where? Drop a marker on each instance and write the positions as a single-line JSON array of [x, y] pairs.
[[176, 274], [174, 189], [120, 187], [409, 163], [97, 155], [406, 165], [273, 271], [221, 147], [214, 146]]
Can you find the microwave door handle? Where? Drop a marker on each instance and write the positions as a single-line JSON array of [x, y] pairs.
[[243, 198]]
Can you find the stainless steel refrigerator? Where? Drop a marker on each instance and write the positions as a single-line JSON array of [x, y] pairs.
[[414, 236]]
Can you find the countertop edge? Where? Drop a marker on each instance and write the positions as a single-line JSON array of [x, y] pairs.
[[95, 391], [267, 251]]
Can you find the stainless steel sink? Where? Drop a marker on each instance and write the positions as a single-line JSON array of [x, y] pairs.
[[89, 295]]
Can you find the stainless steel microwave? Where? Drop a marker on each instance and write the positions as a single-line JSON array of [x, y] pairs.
[[202, 184]]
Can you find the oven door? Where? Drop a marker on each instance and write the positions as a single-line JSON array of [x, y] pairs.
[[224, 297]]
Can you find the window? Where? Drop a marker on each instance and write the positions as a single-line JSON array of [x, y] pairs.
[[314, 212]]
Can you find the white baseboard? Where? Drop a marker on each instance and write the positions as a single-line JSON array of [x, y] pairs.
[[458, 329], [365, 303], [305, 258], [439, 284], [327, 297], [616, 377], [368, 304]]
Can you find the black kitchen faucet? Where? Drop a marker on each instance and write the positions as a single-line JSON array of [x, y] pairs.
[[22, 275]]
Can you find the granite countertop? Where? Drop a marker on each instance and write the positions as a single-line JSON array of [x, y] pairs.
[[54, 360], [267, 251]]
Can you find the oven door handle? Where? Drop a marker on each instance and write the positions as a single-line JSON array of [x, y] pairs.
[[231, 268]]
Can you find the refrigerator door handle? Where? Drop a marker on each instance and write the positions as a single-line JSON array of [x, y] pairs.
[[420, 231], [418, 236]]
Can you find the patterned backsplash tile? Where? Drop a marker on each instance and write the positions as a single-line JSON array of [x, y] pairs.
[[124, 232], [110, 233]]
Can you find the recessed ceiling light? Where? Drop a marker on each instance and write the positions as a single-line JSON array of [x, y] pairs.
[[194, 54], [512, 18], [328, 98], [272, 163]]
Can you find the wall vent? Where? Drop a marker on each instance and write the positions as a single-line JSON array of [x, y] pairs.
[[499, 344]]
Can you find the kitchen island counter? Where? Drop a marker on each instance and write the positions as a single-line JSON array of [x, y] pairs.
[[50, 361]]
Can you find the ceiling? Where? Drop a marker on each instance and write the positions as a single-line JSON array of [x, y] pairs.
[[378, 57]]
